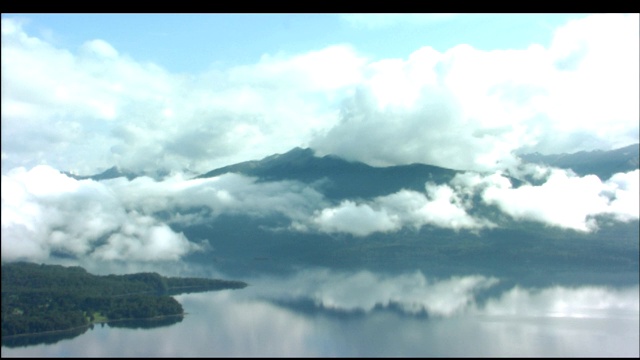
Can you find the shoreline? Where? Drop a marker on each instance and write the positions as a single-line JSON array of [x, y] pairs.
[[91, 324]]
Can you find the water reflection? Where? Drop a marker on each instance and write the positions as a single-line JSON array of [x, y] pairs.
[[147, 323], [324, 313], [56, 336], [49, 338]]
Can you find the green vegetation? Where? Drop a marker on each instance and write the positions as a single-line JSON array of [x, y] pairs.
[[39, 298]]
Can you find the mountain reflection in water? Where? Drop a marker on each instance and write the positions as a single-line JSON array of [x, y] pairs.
[[326, 313]]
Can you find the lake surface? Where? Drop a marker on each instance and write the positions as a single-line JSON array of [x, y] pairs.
[[320, 312]]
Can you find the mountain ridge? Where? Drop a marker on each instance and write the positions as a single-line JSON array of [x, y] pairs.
[[302, 164], [598, 162], [336, 177]]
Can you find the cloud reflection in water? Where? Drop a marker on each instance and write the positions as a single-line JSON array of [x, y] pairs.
[[261, 320]]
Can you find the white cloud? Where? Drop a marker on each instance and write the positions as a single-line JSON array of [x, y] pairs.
[[472, 109], [564, 199], [141, 238], [439, 206], [462, 108], [357, 219], [229, 193], [624, 205], [331, 68], [44, 211], [100, 48], [108, 109]]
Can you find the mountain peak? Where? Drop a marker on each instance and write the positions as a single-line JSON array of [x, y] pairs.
[[337, 177], [296, 153], [111, 173]]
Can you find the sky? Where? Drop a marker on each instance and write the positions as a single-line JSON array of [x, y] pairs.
[[185, 94], [190, 92]]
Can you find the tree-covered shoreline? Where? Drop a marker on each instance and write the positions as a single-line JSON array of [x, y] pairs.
[[38, 298]]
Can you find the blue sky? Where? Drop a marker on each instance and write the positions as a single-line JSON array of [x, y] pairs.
[[232, 39]]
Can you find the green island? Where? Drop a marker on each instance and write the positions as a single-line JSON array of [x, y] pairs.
[[38, 298]]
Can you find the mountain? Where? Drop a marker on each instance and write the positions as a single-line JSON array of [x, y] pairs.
[[601, 163], [115, 172], [243, 244], [340, 178], [526, 250], [111, 173], [337, 178]]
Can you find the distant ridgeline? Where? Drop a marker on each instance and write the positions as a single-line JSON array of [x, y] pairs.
[[341, 179], [598, 162], [39, 298]]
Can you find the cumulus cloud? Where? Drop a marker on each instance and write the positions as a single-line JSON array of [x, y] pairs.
[[228, 193], [624, 203], [87, 109], [358, 219], [93, 108], [332, 68], [472, 109], [439, 206], [45, 212], [561, 199], [566, 200]]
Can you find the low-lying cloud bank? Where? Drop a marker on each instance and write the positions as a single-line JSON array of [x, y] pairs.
[[439, 206], [45, 212], [564, 200]]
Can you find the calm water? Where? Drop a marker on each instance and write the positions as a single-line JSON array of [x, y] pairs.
[[327, 313]]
